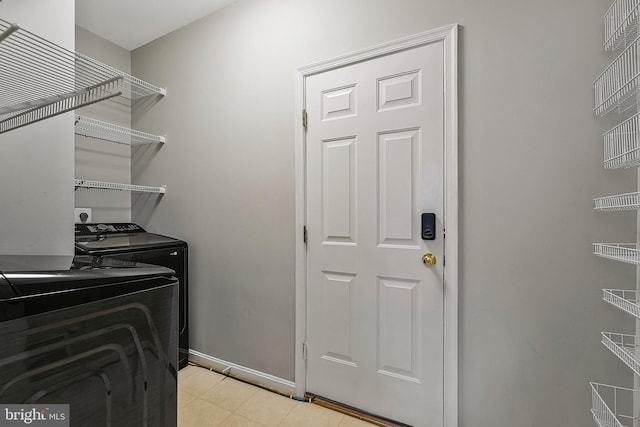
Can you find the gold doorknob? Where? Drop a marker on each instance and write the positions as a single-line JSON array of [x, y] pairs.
[[429, 260]]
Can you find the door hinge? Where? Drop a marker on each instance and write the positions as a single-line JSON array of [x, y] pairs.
[[304, 119], [304, 234], [304, 350]]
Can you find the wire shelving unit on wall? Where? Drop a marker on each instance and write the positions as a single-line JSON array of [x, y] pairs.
[[39, 79], [625, 347], [612, 406], [620, 23], [623, 252], [625, 300], [619, 202], [92, 128], [622, 144], [103, 185], [617, 88]]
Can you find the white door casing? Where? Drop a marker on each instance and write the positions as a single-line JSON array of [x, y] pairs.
[[381, 148]]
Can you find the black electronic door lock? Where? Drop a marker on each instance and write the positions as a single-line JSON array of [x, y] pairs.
[[428, 226]]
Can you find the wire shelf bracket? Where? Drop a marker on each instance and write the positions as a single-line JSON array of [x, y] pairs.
[[102, 185], [611, 405], [92, 128], [623, 252], [624, 300], [39, 79], [620, 202], [625, 347]]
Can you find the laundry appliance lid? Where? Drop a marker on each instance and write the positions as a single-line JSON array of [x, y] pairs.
[[102, 238], [24, 293], [90, 244], [85, 271]]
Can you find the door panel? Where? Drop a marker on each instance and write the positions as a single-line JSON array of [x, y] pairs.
[[374, 147], [339, 102], [398, 169], [399, 328], [400, 91], [338, 191], [338, 304]]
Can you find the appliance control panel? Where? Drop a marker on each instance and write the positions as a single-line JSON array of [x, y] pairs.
[[104, 228]]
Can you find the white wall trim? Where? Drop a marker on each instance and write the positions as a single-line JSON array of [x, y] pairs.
[[277, 383], [300, 374], [451, 219], [448, 35]]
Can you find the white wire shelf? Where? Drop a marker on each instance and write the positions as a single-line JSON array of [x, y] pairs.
[[622, 144], [625, 300], [39, 79], [620, 21], [619, 202], [132, 87], [623, 252], [612, 406], [102, 185], [92, 128], [616, 87], [625, 347]]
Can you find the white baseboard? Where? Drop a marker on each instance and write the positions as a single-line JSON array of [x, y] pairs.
[[243, 372]]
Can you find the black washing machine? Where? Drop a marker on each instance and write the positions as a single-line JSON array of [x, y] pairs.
[[100, 337], [130, 242]]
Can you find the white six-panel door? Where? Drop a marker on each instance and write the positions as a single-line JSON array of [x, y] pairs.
[[374, 164]]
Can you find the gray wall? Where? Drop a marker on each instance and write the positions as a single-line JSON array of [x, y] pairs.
[[530, 163], [36, 162], [104, 160]]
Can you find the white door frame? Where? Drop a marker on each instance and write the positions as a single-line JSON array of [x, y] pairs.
[[449, 37]]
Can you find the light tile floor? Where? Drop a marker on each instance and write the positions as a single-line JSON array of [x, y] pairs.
[[207, 399]]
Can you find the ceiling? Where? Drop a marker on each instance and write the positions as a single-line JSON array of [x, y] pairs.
[[133, 23]]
